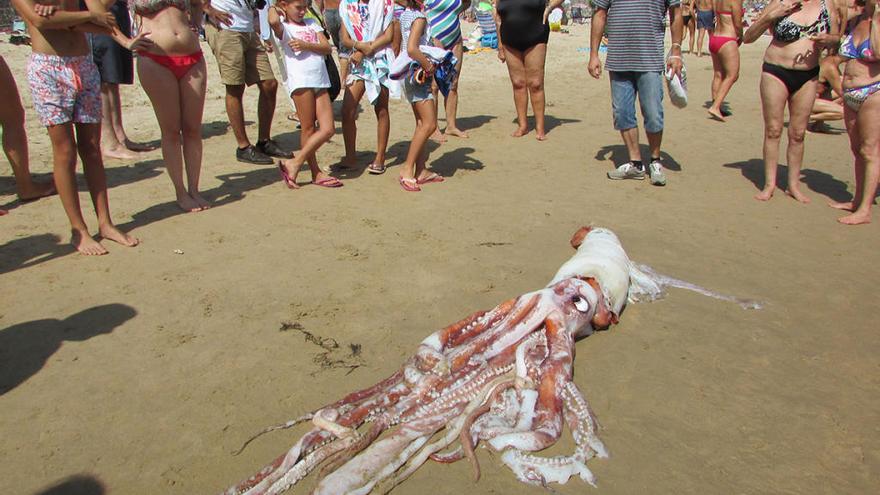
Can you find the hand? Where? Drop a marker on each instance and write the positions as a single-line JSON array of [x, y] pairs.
[[783, 8], [428, 67], [595, 66], [44, 10], [546, 15], [364, 47], [218, 17], [356, 58], [673, 63], [140, 42], [825, 39], [104, 19], [267, 46], [297, 44], [501, 55]]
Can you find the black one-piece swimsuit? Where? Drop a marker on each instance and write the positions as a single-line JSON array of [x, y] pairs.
[[522, 23]]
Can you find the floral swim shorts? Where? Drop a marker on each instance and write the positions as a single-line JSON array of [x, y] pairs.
[[65, 89]]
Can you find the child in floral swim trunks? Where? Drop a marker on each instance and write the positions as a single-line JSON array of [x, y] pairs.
[[66, 90]]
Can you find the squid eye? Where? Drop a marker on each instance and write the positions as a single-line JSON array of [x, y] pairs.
[[580, 304]]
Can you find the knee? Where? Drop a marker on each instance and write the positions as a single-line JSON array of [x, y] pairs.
[[536, 84], [171, 135], [796, 134], [326, 132], [773, 131], [191, 131], [381, 111], [269, 88], [235, 92], [88, 150], [349, 110], [867, 150], [519, 83], [428, 127]]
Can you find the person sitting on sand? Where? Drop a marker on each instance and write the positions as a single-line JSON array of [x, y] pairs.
[[15, 143], [66, 91], [800, 28], [828, 106], [861, 83]]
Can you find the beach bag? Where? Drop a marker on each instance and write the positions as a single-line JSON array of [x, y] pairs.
[[677, 87], [332, 71]]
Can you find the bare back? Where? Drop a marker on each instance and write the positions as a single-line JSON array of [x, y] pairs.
[[728, 18], [704, 5]]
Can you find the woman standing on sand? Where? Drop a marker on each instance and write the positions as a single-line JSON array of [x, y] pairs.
[[724, 43], [174, 76], [522, 44], [861, 83], [800, 28]]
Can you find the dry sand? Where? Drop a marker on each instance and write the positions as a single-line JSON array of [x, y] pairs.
[[139, 372]]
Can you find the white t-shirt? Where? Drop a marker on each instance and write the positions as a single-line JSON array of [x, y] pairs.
[[305, 69], [242, 16]]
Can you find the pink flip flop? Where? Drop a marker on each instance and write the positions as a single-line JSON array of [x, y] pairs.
[[409, 184], [434, 177], [328, 182]]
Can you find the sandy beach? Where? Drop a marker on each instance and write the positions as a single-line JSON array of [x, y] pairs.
[[140, 372]]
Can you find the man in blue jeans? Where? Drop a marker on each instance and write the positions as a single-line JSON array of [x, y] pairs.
[[635, 64]]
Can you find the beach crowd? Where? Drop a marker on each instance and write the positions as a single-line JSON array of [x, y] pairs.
[[413, 49]]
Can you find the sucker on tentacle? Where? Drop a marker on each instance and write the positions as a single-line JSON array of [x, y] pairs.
[[502, 376]]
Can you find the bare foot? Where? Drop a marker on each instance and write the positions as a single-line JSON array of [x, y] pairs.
[[84, 243], [119, 153], [765, 194], [520, 132], [453, 131], [112, 233], [842, 205], [716, 114], [347, 164], [202, 202], [438, 137], [37, 190], [798, 195], [856, 219], [540, 135], [188, 204]]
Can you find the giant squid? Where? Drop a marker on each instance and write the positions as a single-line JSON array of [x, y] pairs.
[[502, 377]]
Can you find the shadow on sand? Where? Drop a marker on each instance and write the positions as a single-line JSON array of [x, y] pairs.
[[817, 181], [25, 347], [617, 154], [79, 484]]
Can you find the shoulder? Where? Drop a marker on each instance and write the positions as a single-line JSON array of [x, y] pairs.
[[601, 4]]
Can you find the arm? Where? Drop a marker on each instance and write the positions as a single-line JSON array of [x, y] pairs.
[[322, 47], [412, 47], [551, 5], [871, 10], [196, 11], [497, 19], [381, 41], [597, 29], [676, 28], [275, 22], [773, 11], [60, 19], [216, 17], [737, 17]]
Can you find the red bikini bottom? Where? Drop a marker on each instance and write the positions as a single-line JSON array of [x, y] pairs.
[[716, 42], [179, 65]]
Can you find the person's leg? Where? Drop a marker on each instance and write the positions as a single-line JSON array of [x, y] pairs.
[[304, 101], [266, 108], [383, 127], [111, 145], [799, 106], [728, 58], [623, 109], [774, 96], [235, 113], [691, 28], [451, 100], [64, 163], [717, 74], [423, 112], [326, 130], [868, 122], [850, 119], [15, 143], [192, 88], [164, 92], [650, 90], [516, 68], [88, 143], [700, 34], [533, 60], [350, 101]]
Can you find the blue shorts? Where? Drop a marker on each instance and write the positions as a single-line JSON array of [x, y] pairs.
[[417, 92], [706, 19], [649, 88]]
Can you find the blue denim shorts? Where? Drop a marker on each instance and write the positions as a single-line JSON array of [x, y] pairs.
[[649, 88], [417, 92]]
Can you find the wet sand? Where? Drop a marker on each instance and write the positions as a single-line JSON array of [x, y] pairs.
[[141, 371]]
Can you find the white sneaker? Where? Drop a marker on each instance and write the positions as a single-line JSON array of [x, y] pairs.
[[658, 178], [627, 171]]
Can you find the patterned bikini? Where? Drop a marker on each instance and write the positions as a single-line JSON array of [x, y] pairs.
[[788, 31], [854, 97]]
